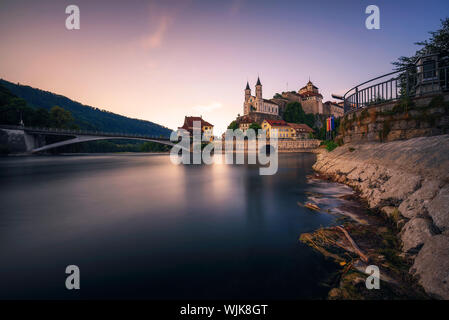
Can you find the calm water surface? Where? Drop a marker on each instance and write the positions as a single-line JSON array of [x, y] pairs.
[[140, 227]]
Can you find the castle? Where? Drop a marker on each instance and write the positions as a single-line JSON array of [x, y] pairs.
[[257, 109]]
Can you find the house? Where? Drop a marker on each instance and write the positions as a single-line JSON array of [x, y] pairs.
[[277, 129], [207, 129], [244, 123], [300, 130]]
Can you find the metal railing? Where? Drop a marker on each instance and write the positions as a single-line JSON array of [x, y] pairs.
[[407, 82], [82, 132]]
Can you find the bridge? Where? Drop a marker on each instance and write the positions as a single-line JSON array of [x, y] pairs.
[[35, 137]]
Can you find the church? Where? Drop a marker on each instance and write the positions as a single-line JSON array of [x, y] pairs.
[[257, 109], [257, 103]]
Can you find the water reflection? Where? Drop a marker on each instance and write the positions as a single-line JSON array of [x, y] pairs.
[[140, 227]]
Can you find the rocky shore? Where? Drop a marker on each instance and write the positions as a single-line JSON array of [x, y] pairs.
[[407, 181]]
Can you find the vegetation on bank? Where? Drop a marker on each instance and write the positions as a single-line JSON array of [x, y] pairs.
[[13, 110], [329, 144], [85, 117]]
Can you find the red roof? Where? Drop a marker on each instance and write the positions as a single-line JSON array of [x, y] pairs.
[[301, 127], [310, 93], [188, 122], [277, 123]]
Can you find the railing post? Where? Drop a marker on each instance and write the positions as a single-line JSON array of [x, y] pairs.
[[357, 98], [407, 85]]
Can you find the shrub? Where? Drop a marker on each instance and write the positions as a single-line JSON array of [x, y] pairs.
[[330, 145], [403, 105], [385, 131]]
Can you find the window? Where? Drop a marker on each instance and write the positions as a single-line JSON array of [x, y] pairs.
[[429, 69]]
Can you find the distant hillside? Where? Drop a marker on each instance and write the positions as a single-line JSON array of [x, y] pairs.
[[86, 117]]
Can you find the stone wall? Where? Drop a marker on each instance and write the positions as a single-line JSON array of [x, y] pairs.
[[13, 140], [408, 181], [423, 116], [298, 145], [283, 145]]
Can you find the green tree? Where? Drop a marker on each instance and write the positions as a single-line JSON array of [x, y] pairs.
[[437, 43], [233, 125], [309, 119], [255, 126], [150, 146], [41, 118], [294, 113], [61, 118]]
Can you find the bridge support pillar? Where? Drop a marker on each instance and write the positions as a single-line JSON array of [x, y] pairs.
[[33, 141]]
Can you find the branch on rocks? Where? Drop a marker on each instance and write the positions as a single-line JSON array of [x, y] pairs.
[[354, 245]]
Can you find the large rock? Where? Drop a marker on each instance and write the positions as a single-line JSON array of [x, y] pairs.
[[439, 209], [415, 233], [432, 266], [416, 204], [398, 187]]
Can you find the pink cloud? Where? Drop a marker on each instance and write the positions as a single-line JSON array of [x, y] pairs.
[[156, 37]]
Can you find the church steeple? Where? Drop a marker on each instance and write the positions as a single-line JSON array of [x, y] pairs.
[[247, 92], [258, 89]]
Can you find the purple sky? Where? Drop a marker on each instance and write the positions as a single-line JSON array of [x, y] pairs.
[[162, 60]]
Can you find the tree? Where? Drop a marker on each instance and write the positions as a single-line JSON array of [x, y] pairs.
[[255, 126], [437, 43], [309, 119], [60, 118], [150, 146], [294, 113], [233, 125], [41, 118]]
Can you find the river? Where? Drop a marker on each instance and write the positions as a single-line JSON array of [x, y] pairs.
[[138, 226]]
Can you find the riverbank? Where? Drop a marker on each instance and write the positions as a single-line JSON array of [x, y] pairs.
[[408, 182]]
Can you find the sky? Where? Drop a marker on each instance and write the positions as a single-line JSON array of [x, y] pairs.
[[163, 60]]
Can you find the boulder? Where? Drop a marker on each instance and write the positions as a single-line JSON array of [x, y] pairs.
[[415, 233], [398, 187], [438, 209], [416, 204], [432, 266]]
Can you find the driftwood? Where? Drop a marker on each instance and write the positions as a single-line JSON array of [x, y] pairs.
[[354, 245]]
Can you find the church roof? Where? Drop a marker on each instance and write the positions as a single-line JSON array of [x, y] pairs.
[[269, 101], [247, 86], [258, 82]]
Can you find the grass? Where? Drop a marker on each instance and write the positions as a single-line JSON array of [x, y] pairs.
[[330, 144]]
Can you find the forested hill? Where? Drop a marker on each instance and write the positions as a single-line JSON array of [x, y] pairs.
[[86, 117]]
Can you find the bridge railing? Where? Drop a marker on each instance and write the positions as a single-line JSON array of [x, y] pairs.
[[83, 132], [408, 82]]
